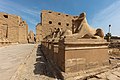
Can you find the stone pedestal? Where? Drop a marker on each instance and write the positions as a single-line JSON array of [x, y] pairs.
[[4, 42], [83, 54]]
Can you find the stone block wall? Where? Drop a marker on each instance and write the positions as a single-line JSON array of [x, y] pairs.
[[75, 56], [13, 34], [13, 28], [31, 38], [76, 60], [23, 32], [85, 55], [51, 20], [39, 36]]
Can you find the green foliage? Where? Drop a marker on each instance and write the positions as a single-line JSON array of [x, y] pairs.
[[108, 35]]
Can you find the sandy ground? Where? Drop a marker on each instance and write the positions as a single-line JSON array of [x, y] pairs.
[[35, 68], [27, 62], [11, 57]]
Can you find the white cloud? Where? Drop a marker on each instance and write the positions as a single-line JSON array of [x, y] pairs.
[[9, 5], [28, 14], [110, 15]]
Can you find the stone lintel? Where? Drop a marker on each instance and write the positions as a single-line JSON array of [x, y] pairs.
[[83, 48], [86, 43]]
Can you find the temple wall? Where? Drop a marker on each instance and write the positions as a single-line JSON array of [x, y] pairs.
[[31, 38], [13, 34], [12, 28], [51, 20], [22, 35], [39, 36]]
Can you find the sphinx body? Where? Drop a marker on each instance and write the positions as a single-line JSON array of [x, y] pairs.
[[82, 29]]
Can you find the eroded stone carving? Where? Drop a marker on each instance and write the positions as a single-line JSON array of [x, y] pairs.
[[75, 46], [83, 30], [31, 38], [80, 29]]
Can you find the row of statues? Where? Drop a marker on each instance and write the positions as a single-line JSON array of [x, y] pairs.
[[80, 28], [83, 29]]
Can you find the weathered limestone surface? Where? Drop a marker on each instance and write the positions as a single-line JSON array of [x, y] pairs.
[[13, 28], [23, 32], [71, 43], [67, 24], [31, 38], [51, 20], [38, 33], [11, 58], [44, 70], [83, 29]]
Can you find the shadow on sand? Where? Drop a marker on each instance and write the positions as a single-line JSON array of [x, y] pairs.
[[44, 67]]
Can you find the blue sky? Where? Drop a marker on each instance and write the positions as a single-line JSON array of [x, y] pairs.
[[100, 13]]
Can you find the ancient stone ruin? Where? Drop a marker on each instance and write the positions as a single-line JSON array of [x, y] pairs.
[[52, 20], [12, 29], [31, 38], [38, 33], [71, 43]]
